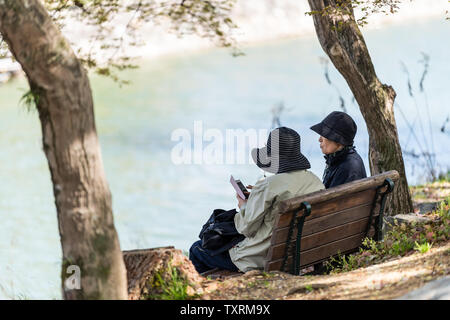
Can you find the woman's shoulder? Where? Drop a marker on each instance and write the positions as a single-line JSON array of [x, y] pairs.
[[353, 165], [262, 183], [297, 175], [354, 157], [314, 180]]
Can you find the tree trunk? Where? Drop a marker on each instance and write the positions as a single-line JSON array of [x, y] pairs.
[[62, 93], [147, 267], [343, 42]]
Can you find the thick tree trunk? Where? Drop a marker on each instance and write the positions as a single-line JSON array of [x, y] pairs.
[[343, 42], [63, 96]]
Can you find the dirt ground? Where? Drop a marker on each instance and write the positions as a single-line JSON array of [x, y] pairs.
[[387, 280]]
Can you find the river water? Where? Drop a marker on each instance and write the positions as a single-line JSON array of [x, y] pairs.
[[157, 202]]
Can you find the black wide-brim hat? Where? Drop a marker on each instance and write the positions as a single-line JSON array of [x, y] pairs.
[[338, 127], [282, 152]]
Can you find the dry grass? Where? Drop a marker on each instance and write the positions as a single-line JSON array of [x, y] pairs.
[[387, 280]]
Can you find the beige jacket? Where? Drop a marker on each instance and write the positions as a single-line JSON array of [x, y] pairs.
[[256, 218]]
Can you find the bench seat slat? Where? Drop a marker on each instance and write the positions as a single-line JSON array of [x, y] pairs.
[[321, 238], [326, 222], [327, 207], [321, 252], [339, 191]]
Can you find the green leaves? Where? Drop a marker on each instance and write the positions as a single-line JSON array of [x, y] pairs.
[[112, 25], [30, 99], [342, 8], [422, 248], [207, 19], [171, 285]]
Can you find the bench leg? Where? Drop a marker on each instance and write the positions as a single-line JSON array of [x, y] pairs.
[[298, 221]]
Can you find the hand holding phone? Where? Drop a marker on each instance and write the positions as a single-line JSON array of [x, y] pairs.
[[240, 188]]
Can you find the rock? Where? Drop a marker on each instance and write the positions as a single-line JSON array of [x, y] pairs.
[[144, 266], [438, 289], [409, 218], [426, 207]]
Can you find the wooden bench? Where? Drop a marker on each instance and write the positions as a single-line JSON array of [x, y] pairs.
[[322, 224]]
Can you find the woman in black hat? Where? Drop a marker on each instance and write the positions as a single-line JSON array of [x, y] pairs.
[[344, 164], [255, 219]]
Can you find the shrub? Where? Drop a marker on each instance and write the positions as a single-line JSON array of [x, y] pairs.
[[422, 248], [172, 286]]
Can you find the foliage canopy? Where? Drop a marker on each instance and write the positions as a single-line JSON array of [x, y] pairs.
[[109, 26], [100, 30]]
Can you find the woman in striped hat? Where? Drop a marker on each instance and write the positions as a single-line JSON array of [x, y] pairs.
[[291, 177]]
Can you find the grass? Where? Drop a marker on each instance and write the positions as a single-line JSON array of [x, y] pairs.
[[403, 239], [170, 285], [309, 288], [422, 248]]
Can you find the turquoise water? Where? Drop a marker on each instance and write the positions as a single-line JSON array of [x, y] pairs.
[[158, 203]]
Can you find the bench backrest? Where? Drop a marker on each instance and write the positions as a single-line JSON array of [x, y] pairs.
[[338, 221]]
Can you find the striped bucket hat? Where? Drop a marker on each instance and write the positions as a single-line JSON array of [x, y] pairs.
[[281, 153]]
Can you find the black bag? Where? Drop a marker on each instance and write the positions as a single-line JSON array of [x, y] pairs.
[[219, 232]]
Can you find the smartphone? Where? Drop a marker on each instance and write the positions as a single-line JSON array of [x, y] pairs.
[[243, 188], [240, 188]]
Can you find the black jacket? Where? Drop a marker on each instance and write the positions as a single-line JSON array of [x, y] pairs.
[[343, 166], [219, 232]]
